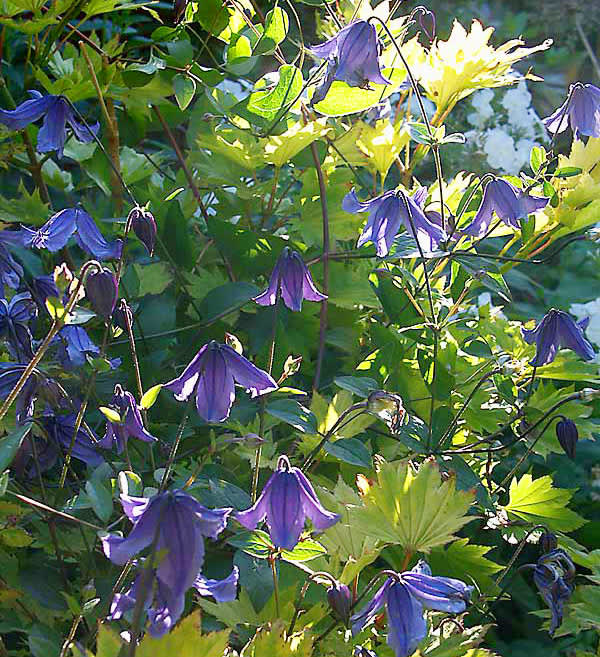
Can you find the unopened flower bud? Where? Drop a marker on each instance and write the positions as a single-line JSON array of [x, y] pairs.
[[233, 342], [63, 277], [291, 365], [340, 601], [567, 434], [144, 226], [102, 291], [388, 407], [548, 542], [589, 394]]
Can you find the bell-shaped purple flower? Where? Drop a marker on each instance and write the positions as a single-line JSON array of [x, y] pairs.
[[44, 287], [581, 111], [567, 434], [554, 576], [390, 211], [74, 344], [15, 316], [131, 424], [339, 598], [173, 524], [292, 278], [10, 373], [11, 271], [405, 596], [508, 202], [558, 330], [144, 226], [60, 429], [287, 499], [102, 290], [352, 56], [57, 113], [211, 375]]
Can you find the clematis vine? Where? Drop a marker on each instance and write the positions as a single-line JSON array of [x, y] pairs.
[[130, 424], [554, 577], [352, 57], [581, 111], [173, 524], [292, 279], [509, 203], [405, 596], [558, 330], [212, 375], [58, 115], [390, 211], [286, 501]]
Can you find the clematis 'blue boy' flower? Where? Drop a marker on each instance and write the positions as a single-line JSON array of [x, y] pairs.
[[390, 211], [352, 56], [554, 576], [174, 524], [117, 433], [15, 316], [508, 202], [287, 499], [74, 344], [11, 271], [60, 429], [57, 113], [568, 436], [558, 330], [102, 290], [581, 110], [44, 287], [212, 374], [405, 596], [339, 598], [292, 277], [144, 226]]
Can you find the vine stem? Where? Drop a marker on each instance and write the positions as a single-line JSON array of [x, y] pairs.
[[273, 564], [175, 447]]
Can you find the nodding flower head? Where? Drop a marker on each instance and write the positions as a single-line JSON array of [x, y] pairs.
[[554, 577], [581, 110]]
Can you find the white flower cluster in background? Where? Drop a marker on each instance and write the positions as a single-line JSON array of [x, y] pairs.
[[506, 133], [590, 309]]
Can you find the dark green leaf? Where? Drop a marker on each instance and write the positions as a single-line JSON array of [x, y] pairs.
[[349, 450]]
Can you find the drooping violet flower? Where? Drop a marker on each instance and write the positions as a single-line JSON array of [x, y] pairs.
[[61, 428], [508, 202], [44, 287], [131, 424], [352, 56], [144, 226], [25, 464], [102, 290], [339, 598], [57, 113], [568, 436], [287, 499], [74, 344], [581, 110], [211, 375], [405, 596], [292, 278], [554, 576], [558, 330], [172, 524], [11, 271], [15, 316], [55, 234], [10, 373], [387, 213]]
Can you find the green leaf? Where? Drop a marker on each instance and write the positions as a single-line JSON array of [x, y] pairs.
[[15, 537], [304, 551], [150, 396], [412, 508], [185, 89], [269, 103], [109, 643], [361, 386], [10, 444], [110, 414], [276, 27], [4, 478], [212, 15], [154, 278], [567, 172], [280, 149], [257, 543], [100, 498], [225, 299], [293, 413], [349, 450], [537, 501], [537, 157]]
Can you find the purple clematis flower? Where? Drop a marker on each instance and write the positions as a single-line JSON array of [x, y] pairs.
[[11, 271], [55, 234], [102, 290], [60, 429], [15, 316], [117, 433], [292, 278], [287, 499], [352, 56], [405, 595], [568, 436], [508, 202], [390, 211], [174, 525], [144, 226], [44, 287], [74, 345], [10, 373], [212, 374], [558, 330], [57, 113], [581, 110], [554, 576]]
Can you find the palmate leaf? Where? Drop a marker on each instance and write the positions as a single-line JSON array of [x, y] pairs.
[[412, 508], [273, 642], [536, 501]]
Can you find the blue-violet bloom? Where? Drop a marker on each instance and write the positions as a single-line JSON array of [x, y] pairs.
[[287, 499], [131, 424], [568, 436], [554, 576], [174, 525], [144, 226], [102, 290], [292, 278], [11, 271], [15, 316], [57, 113], [352, 56], [211, 376], [581, 110], [508, 202], [558, 330], [388, 212], [61, 428], [405, 597]]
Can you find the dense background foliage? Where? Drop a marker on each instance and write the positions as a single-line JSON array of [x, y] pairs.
[[206, 122]]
